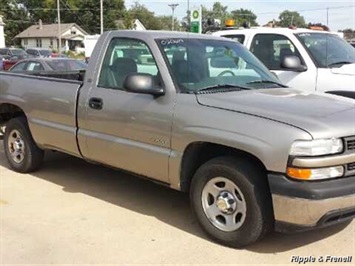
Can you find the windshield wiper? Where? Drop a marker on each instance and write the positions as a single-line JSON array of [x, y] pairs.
[[229, 87], [267, 82], [340, 63]]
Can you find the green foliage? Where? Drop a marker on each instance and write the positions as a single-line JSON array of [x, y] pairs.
[[291, 18], [324, 27], [15, 18], [165, 23], [218, 11], [244, 16], [86, 13], [149, 20], [89, 16]]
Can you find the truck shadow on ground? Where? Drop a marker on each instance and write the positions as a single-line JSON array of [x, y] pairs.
[[145, 197]]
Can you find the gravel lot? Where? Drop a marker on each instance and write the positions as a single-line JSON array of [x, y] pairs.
[[73, 212]]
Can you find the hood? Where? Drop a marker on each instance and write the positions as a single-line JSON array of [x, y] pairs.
[[348, 69], [321, 115]]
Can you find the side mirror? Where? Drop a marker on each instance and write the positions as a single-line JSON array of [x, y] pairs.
[[292, 62], [142, 83]]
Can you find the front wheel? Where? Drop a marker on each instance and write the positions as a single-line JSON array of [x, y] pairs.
[[231, 201], [21, 151]]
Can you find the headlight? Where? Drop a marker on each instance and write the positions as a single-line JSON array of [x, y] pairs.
[[316, 147]]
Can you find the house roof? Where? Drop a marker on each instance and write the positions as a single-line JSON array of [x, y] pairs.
[[47, 30]]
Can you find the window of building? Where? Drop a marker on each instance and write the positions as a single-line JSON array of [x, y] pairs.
[[73, 31], [25, 41], [38, 42]]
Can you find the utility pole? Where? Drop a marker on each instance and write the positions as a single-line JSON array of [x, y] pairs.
[[328, 17], [173, 6], [59, 30], [101, 16]]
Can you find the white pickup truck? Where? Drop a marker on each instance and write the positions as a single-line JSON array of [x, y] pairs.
[[307, 59]]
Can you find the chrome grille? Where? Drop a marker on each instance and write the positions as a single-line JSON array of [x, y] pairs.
[[351, 166], [350, 143]]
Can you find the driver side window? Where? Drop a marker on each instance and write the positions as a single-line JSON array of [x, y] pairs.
[[125, 56], [271, 49]]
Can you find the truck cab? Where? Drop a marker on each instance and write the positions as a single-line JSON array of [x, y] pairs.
[[305, 59]]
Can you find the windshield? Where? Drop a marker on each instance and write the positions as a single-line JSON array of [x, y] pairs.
[[45, 53], [67, 65], [328, 50], [18, 52], [197, 64]]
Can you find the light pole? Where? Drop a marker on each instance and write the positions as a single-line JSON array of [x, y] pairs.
[[173, 6], [101, 17], [59, 30]]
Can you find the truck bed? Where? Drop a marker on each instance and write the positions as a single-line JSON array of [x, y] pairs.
[[49, 104]]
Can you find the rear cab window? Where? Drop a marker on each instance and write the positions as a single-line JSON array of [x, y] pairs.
[[236, 37]]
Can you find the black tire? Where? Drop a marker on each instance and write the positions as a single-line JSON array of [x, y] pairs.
[[251, 181], [30, 157]]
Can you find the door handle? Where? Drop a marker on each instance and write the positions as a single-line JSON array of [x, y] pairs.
[[96, 103]]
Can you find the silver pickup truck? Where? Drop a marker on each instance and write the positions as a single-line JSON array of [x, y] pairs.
[[199, 114]]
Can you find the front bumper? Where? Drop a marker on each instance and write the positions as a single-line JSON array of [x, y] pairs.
[[306, 205]]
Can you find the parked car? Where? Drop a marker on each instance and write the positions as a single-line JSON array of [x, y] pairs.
[[1, 63], [9, 53], [39, 52], [213, 121], [301, 58], [48, 64], [11, 56]]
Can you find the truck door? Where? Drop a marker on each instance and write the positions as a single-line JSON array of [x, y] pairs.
[[126, 130], [271, 48]]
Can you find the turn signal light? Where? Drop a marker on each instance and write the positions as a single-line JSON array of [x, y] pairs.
[[303, 174], [316, 173]]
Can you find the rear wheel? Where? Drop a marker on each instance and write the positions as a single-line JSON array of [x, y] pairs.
[[21, 151], [232, 201]]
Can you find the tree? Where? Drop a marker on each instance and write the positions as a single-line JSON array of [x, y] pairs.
[[218, 11], [165, 22], [16, 19], [291, 18], [244, 16], [88, 14], [44, 10], [150, 22], [319, 25]]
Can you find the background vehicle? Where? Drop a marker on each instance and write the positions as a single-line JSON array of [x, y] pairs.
[[63, 68], [11, 56], [207, 118], [48, 64], [39, 52], [304, 59], [1, 63]]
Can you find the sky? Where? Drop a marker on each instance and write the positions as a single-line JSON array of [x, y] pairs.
[[341, 14]]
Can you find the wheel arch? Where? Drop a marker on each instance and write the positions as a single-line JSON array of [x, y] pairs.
[[198, 153], [9, 111]]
